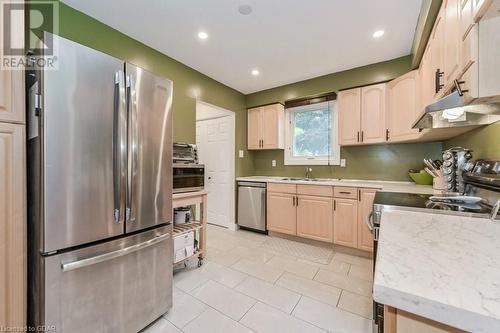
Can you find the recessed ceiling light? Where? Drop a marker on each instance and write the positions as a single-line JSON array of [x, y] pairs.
[[202, 35], [255, 72], [245, 9], [378, 33]]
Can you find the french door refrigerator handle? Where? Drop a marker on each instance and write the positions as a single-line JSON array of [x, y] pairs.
[[119, 144], [70, 266], [132, 148]]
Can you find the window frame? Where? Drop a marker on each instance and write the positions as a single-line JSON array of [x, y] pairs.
[[333, 158]]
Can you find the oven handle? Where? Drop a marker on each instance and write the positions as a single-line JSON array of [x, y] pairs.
[[114, 254], [369, 222]]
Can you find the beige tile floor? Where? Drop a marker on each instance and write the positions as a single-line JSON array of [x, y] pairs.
[[243, 287]]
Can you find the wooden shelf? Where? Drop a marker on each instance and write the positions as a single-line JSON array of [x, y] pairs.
[[180, 229]]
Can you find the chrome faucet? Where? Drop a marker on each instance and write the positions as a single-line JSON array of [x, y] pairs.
[[309, 173]]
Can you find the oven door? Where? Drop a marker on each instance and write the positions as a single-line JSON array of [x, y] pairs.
[[188, 177]]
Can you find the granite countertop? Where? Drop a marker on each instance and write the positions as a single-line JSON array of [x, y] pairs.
[[442, 267], [387, 186]]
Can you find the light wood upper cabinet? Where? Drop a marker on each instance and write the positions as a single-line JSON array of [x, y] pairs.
[[315, 217], [12, 226], [12, 96], [437, 53], [362, 115], [365, 207], [452, 40], [266, 127], [254, 128], [281, 213], [345, 222], [373, 110], [403, 107], [349, 106]]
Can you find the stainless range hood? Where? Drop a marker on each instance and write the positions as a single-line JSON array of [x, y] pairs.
[[453, 111]]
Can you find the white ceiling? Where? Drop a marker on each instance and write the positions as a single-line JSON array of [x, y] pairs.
[[287, 40]]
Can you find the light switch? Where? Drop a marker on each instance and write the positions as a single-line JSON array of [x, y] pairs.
[[241, 154], [342, 163], [273, 163]]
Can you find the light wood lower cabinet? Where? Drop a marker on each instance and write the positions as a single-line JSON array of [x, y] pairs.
[[365, 207], [345, 222], [12, 226], [315, 217], [281, 213], [399, 321]]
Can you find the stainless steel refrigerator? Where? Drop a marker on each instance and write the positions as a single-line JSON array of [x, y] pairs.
[[100, 191]]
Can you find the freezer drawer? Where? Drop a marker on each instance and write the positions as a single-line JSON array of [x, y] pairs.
[[119, 286], [252, 205]]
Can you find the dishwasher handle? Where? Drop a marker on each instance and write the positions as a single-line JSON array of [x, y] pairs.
[[251, 184]]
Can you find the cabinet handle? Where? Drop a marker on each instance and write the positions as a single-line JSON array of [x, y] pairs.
[[357, 140], [437, 80], [334, 205], [387, 135], [297, 201], [359, 195], [459, 89], [293, 201], [344, 192], [362, 135]]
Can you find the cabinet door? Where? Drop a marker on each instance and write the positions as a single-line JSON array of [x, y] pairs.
[[466, 20], [402, 109], [315, 218], [373, 113], [272, 126], [452, 40], [13, 226], [365, 207], [254, 128], [349, 106], [436, 47], [281, 213], [426, 80], [345, 222]]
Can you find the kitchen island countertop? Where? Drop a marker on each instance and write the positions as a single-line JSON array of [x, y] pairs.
[[442, 267]]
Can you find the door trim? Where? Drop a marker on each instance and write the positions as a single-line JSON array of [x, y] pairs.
[[219, 113]]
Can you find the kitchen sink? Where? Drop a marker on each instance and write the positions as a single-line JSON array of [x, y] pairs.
[[309, 179]]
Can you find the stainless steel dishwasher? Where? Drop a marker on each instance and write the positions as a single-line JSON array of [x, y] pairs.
[[252, 206]]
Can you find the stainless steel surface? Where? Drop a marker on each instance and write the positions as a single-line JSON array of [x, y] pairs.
[[252, 205], [123, 294], [150, 169], [369, 222], [494, 210], [78, 156], [456, 161], [114, 254]]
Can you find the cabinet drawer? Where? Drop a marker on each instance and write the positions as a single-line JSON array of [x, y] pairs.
[[282, 188], [345, 192], [319, 190]]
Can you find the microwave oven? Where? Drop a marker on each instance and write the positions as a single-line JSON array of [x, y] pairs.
[[188, 177]]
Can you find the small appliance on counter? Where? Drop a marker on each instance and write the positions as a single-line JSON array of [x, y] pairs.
[[188, 175], [481, 199]]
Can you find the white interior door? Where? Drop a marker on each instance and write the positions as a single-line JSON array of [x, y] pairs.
[[215, 140]]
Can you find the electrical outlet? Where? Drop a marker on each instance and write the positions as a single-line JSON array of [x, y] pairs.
[[342, 163], [242, 154], [273, 163]]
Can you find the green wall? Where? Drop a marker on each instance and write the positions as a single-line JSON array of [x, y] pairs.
[[484, 141], [383, 162], [188, 83]]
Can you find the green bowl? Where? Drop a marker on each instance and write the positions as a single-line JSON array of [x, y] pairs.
[[421, 178]]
